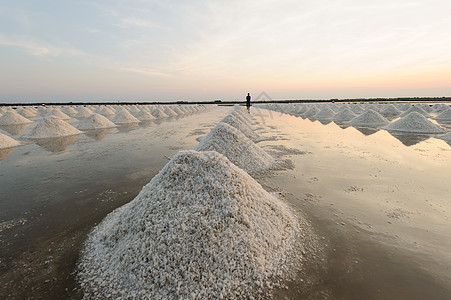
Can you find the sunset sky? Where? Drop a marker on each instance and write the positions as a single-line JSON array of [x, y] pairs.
[[148, 50]]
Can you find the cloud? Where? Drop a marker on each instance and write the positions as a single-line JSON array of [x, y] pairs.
[[37, 49]]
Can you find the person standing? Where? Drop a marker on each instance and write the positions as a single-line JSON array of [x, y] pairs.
[[248, 102]]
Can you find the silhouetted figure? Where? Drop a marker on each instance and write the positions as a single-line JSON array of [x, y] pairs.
[[248, 102]]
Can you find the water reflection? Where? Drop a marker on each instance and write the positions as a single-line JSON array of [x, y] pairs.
[[367, 130], [410, 139], [58, 144], [5, 152], [15, 129], [98, 134]]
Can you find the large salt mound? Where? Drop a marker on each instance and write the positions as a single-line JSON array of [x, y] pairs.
[[50, 127], [369, 118], [95, 121], [415, 123], [344, 115], [415, 109], [7, 142], [12, 118], [241, 126], [200, 229], [445, 115], [124, 117], [240, 150]]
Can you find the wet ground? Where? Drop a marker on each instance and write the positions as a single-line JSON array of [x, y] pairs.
[[379, 203]]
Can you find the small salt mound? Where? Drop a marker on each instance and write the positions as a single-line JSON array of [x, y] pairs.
[[134, 110], [11, 118], [106, 112], [390, 111], [169, 112], [311, 112], [200, 229], [415, 109], [241, 126], [27, 113], [68, 110], [416, 123], [158, 113], [50, 127], [144, 115], [445, 115], [124, 117], [344, 115], [357, 109], [439, 108], [95, 121], [326, 113], [445, 137], [83, 112], [369, 118], [178, 111], [58, 113], [240, 150], [7, 142]]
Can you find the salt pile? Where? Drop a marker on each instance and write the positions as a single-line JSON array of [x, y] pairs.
[[124, 117], [445, 137], [169, 112], [12, 118], [200, 229], [415, 123], [390, 111], [83, 112], [7, 142], [158, 113], [241, 126], [58, 113], [27, 113], [415, 109], [144, 115], [310, 112], [326, 113], [344, 115], [445, 115], [234, 145], [51, 127], [106, 112], [69, 111], [95, 121], [369, 118]]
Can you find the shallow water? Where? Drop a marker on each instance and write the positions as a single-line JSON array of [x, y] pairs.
[[378, 202]]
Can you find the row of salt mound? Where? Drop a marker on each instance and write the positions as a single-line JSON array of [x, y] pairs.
[[369, 118], [326, 113], [13, 118], [200, 229], [7, 142], [414, 123], [233, 121], [144, 115], [444, 115], [83, 112], [95, 121], [390, 111], [58, 113], [239, 149], [124, 117], [50, 127], [415, 109], [27, 113]]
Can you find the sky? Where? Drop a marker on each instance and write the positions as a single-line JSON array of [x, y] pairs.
[[155, 50]]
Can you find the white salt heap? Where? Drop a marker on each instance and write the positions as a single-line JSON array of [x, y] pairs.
[[50, 127], [83, 112], [7, 142], [369, 118], [27, 113], [158, 113], [390, 111], [313, 110], [12, 118], [58, 113], [415, 109], [344, 115], [444, 115], [95, 121], [68, 110], [144, 115], [241, 126], [233, 144], [124, 117], [446, 137], [200, 229], [415, 123], [326, 113]]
